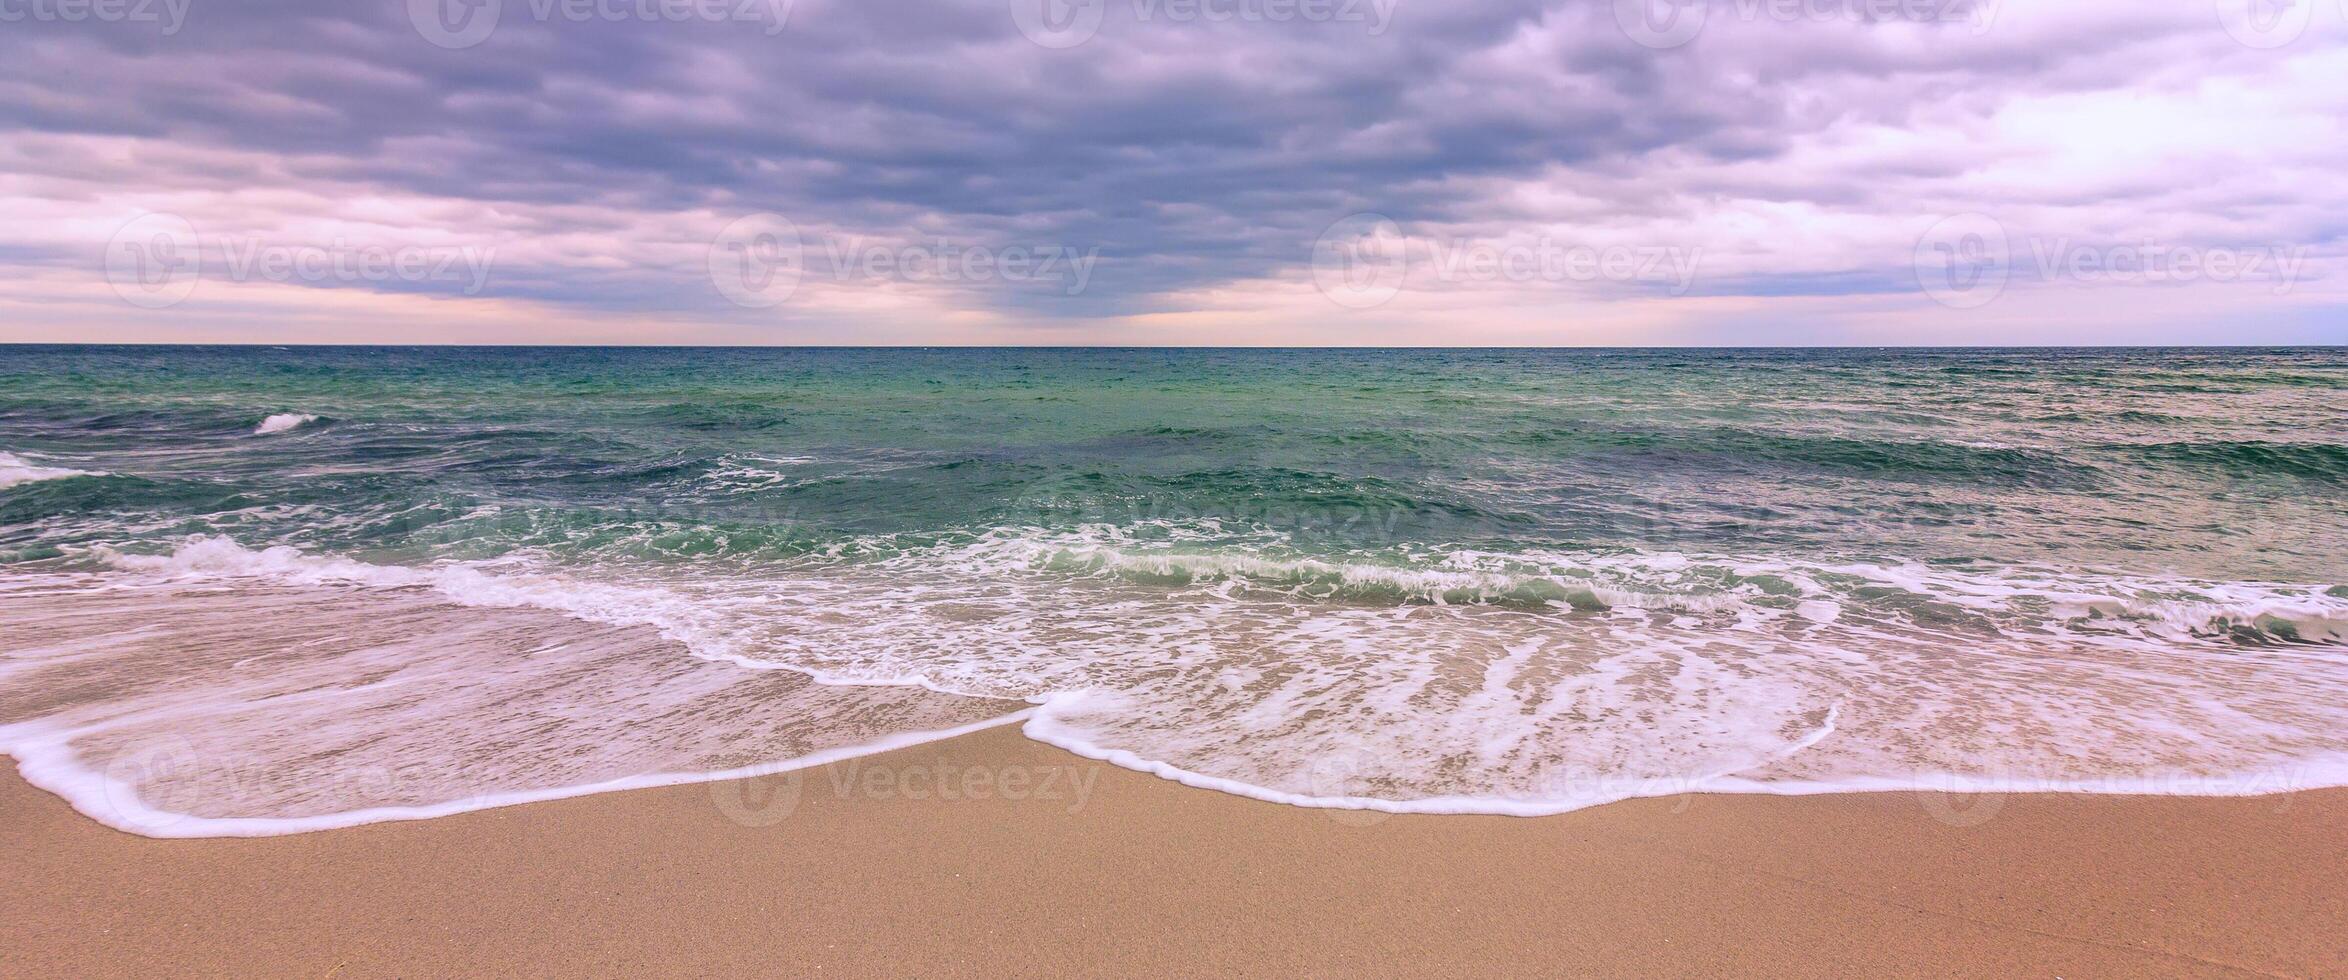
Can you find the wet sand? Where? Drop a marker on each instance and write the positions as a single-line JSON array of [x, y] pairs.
[[990, 854]]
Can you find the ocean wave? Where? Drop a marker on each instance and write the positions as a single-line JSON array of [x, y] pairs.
[[2017, 599], [1347, 581], [1731, 449], [1670, 581], [2325, 462], [1493, 582], [1421, 684], [286, 422], [1326, 504], [16, 469], [717, 416]]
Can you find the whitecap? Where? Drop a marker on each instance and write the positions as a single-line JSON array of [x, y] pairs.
[[16, 469], [284, 422]]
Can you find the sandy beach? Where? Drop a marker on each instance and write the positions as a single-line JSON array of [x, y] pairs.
[[991, 853]]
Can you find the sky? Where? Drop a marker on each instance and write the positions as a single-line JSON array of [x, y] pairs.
[[1175, 172]]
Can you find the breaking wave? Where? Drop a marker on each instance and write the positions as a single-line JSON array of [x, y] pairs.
[[15, 469], [286, 422], [1466, 682]]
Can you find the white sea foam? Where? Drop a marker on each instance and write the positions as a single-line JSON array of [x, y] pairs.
[[110, 799], [1456, 681], [303, 707], [285, 422], [15, 469]]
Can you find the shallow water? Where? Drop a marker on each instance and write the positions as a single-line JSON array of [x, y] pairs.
[[259, 590]]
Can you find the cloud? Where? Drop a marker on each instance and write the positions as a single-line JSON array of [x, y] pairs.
[[1794, 155]]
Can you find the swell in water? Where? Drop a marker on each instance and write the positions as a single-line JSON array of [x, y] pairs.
[[1464, 683]]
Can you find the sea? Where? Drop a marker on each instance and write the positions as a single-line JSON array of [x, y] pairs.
[[264, 590]]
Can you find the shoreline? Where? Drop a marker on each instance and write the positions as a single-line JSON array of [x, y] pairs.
[[990, 852]]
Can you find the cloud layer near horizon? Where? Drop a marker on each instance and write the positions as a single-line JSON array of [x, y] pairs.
[[1246, 171]]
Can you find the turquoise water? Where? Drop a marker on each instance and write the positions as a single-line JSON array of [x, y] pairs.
[[1501, 581]]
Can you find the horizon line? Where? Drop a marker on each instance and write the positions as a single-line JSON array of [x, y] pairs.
[[1178, 347]]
